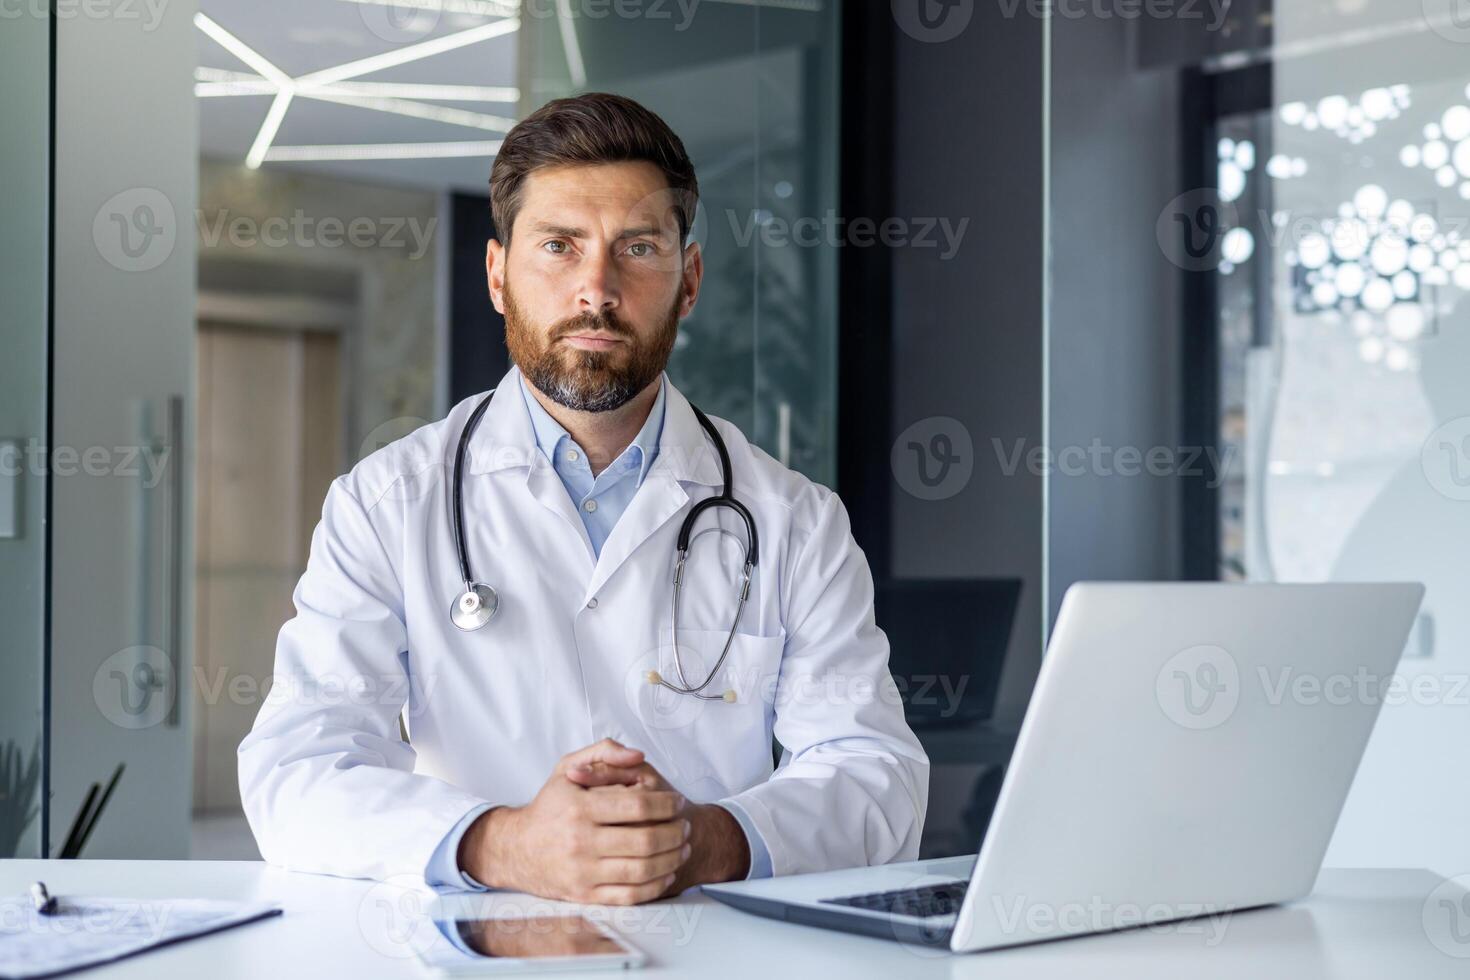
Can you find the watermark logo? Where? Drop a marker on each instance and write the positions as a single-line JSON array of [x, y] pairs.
[[1198, 687], [933, 21], [1446, 917], [135, 230], [1191, 229], [400, 21], [659, 708], [1450, 19], [1445, 459], [934, 458], [394, 917], [135, 687]]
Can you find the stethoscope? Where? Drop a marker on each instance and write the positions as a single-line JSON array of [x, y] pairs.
[[478, 604]]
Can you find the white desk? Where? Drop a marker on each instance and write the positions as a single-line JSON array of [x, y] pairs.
[[1369, 924]]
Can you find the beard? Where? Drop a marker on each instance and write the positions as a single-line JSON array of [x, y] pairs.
[[588, 380]]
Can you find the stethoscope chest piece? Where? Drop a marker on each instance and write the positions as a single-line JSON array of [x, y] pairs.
[[474, 607]]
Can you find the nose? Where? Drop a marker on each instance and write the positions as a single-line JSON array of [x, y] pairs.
[[598, 290]]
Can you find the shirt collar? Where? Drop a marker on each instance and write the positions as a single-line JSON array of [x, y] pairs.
[[549, 432]]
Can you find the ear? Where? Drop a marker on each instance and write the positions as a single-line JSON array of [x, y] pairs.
[[495, 256], [693, 275]]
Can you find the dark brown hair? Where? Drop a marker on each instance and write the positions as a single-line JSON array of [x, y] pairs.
[[597, 127]]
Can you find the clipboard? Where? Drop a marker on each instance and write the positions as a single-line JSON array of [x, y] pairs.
[[88, 931]]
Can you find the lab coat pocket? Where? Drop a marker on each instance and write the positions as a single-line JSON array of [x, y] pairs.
[[717, 747]]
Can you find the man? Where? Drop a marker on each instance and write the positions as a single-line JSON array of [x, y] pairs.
[[540, 757]]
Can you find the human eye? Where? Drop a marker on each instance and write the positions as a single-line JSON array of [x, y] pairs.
[[557, 246]]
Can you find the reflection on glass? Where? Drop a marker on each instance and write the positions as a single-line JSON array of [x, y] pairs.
[[1344, 346], [533, 938]]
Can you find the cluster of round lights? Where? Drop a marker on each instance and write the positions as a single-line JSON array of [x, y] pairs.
[[1445, 151], [1282, 167], [1354, 121], [1237, 159], [1371, 263]]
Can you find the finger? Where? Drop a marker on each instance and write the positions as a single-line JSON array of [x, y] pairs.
[[601, 774], [644, 841], [638, 871], [631, 894], [606, 751], [618, 804]]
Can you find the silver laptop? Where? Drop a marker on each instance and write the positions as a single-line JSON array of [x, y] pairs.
[[1186, 753]]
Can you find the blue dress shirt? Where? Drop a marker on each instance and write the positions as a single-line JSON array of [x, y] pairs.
[[600, 500]]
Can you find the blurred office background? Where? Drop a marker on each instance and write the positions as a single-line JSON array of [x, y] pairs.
[[1127, 291]]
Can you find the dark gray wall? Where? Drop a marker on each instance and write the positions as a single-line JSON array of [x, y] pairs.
[[1034, 336], [967, 332], [1115, 306]]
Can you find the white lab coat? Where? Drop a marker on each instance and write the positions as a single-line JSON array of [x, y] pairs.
[[329, 786]]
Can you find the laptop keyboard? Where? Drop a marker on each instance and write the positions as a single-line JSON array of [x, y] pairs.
[[922, 903]]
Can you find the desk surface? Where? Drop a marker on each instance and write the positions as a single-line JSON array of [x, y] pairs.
[[1368, 924]]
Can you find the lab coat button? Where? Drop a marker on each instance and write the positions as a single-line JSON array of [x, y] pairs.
[[592, 603]]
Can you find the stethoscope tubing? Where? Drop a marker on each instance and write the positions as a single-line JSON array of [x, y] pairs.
[[477, 605]]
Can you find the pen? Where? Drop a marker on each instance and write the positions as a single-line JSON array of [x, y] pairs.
[[45, 901]]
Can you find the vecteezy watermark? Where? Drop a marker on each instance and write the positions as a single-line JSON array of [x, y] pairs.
[[933, 458], [1198, 231], [933, 21], [1211, 12], [1450, 19], [1446, 917], [35, 458], [835, 231], [1202, 686], [136, 687], [400, 917], [1098, 458], [302, 230], [136, 230], [1198, 687], [936, 21], [1445, 459], [1362, 686], [1017, 916], [1191, 229], [394, 917], [141, 919], [411, 20], [148, 12]]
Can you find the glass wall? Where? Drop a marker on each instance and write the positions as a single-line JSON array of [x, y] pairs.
[[1344, 338], [25, 67], [751, 88], [1260, 270]]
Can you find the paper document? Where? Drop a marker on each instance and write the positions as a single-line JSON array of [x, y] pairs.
[[86, 931]]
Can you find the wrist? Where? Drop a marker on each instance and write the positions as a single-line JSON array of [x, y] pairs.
[[719, 850], [487, 849]]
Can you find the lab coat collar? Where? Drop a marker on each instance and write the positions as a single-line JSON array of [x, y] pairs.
[[505, 438], [549, 432]]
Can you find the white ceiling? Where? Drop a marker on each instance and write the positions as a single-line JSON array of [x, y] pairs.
[[291, 39]]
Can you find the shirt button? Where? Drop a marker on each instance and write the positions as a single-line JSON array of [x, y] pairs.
[[572, 455], [589, 505], [592, 603]]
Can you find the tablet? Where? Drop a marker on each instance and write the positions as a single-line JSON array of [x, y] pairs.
[[523, 944]]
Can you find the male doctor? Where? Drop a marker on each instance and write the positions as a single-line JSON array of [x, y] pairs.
[[540, 754]]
